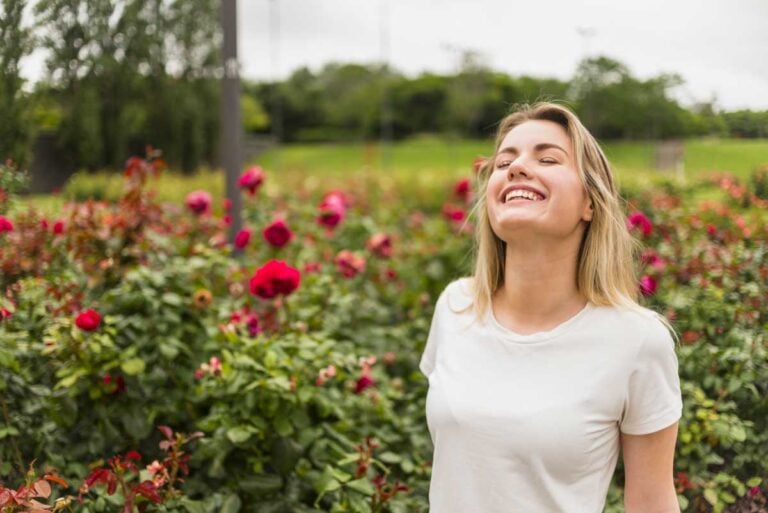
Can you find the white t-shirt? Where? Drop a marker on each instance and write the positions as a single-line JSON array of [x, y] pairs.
[[530, 423]]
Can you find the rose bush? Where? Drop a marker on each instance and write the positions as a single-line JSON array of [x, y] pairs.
[[298, 361]]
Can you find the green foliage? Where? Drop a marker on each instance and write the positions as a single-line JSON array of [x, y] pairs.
[[181, 342], [15, 122]]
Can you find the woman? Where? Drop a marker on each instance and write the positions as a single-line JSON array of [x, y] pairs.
[[542, 365]]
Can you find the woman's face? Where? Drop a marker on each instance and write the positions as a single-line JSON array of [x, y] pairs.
[[536, 156]]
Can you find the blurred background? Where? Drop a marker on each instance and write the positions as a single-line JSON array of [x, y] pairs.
[[335, 86]]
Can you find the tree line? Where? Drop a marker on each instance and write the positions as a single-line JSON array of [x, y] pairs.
[[121, 74]]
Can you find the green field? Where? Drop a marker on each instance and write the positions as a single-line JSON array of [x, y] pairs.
[[425, 165]]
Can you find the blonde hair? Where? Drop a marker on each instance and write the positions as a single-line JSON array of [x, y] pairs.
[[606, 268]]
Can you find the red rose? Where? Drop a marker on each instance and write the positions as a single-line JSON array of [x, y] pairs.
[[242, 238], [380, 244], [463, 189], [273, 278], [58, 227], [453, 213], [278, 234], [647, 285], [349, 264], [5, 224], [251, 179], [4, 314], [199, 202], [364, 381], [88, 320], [638, 219]]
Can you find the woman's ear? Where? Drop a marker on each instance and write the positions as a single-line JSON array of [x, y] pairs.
[[588, 211]]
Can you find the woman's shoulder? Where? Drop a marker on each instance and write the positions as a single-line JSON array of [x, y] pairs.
[[458, 294], [637, 319]]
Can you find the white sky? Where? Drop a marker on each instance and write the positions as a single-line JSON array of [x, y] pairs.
[[719, 47]]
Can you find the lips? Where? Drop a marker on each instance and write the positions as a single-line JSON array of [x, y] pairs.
[[513, 187]]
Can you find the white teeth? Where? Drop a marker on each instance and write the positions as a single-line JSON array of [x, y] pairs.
[[520, 193]]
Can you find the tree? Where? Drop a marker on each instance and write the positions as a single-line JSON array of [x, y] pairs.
[[15, 122]]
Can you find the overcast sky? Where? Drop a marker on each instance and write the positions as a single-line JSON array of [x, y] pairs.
[[719, 47]]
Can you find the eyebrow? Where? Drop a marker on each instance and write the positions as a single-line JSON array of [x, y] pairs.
[[537, 148]]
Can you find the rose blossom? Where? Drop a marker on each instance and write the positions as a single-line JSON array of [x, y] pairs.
[[648, 285], [88, 320], [333, 209], [251, 179], [349, 264], [5, 224], [463, 189], [380, 244], [274, 278], [199, 202], [242, 238], [277, 233], [638, 219]]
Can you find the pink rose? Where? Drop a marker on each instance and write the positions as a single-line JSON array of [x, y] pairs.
[[199, 202], [641, 221], [251, 179], [647, 285]]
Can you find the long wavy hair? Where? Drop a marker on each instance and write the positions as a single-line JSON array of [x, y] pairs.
[[607, 270]]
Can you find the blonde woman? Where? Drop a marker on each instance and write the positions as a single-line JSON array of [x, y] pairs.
[[542, 366]]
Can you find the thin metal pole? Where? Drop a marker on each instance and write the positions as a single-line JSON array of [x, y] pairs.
[[386, 107], [231, 144]]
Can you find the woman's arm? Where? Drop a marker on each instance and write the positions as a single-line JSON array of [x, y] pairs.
[[648, 468]]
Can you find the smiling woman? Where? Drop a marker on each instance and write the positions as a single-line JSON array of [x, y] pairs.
[[543, 365]]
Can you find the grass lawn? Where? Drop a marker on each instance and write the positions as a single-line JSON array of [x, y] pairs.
[[423, 165]]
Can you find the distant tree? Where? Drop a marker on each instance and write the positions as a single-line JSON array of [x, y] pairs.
[[15, 122], [133, 72], [747, 123]]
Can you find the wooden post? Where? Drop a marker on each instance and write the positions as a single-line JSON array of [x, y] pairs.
[[670, 156]]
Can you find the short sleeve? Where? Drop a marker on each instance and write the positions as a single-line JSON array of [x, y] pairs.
[[653, 398], [429, 355]]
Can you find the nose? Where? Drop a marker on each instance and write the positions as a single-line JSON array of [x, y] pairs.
[[517, 167]]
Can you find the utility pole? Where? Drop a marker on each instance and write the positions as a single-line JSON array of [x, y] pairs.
[[231, 133], [386, 105]]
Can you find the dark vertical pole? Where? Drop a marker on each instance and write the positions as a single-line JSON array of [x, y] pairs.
[[386, 107], [231, 134]]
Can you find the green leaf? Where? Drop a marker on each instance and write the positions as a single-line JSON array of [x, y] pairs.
[[231, 504], [711, 496], [261, 484], [283, 426], [362, 485], [8, 431], [270, 359], [133, 366], [755, 481], [193, 506], [390, 457], [738, 433], [239, 434], [326, 482], [285, 454], [172, 299]]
